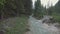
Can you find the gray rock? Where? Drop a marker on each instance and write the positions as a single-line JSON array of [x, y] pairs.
[[48, 19]]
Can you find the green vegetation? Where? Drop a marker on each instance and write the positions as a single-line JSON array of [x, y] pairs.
[[38, 9], [11, 15], [56, 17], [53, 11], [16, 25], [12, 8], [56, 12], [14, 14]]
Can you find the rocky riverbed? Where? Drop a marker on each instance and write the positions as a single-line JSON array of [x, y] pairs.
[[38, 27]]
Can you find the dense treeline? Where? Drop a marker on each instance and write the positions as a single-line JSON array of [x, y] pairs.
[[10, 8], [13, 8], [40, 11], [55, 11]]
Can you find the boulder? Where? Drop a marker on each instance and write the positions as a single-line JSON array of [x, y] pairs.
[[48, 19]]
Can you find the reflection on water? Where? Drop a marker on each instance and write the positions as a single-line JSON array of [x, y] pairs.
[[38, 28]]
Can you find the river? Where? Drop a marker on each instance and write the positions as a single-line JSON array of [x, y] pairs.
[[37, 27]]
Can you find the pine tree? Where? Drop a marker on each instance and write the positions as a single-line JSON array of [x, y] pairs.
[[17, 7], [44, 10], [38, 9], [28, 6], [50, 10], [57, 7], [57, 11]]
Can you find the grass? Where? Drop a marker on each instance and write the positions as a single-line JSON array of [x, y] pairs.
[[17, 25], [56, 17]]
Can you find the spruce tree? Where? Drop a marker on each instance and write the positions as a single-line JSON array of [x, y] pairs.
[[50, 10], [57, 7], [38, 9], [28, 6]]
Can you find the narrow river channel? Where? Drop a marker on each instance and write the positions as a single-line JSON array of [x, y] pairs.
[[37, 27]]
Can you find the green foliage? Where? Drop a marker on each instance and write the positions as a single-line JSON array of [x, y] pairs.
[[13, 8], [56, 11], [2, 4], [50, 10], [16, 25], [57, 7], [38, 9], [44, 10], [28, 6], [56, 17], [9, 8]]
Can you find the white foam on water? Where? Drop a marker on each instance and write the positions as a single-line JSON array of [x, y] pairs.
[[37, 27]]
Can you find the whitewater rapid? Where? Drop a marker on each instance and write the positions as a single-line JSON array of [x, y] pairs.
[[37, 27]]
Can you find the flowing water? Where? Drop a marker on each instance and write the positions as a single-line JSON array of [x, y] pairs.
[[37, 27]]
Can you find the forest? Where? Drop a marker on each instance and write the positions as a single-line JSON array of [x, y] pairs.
[[20, 10]]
